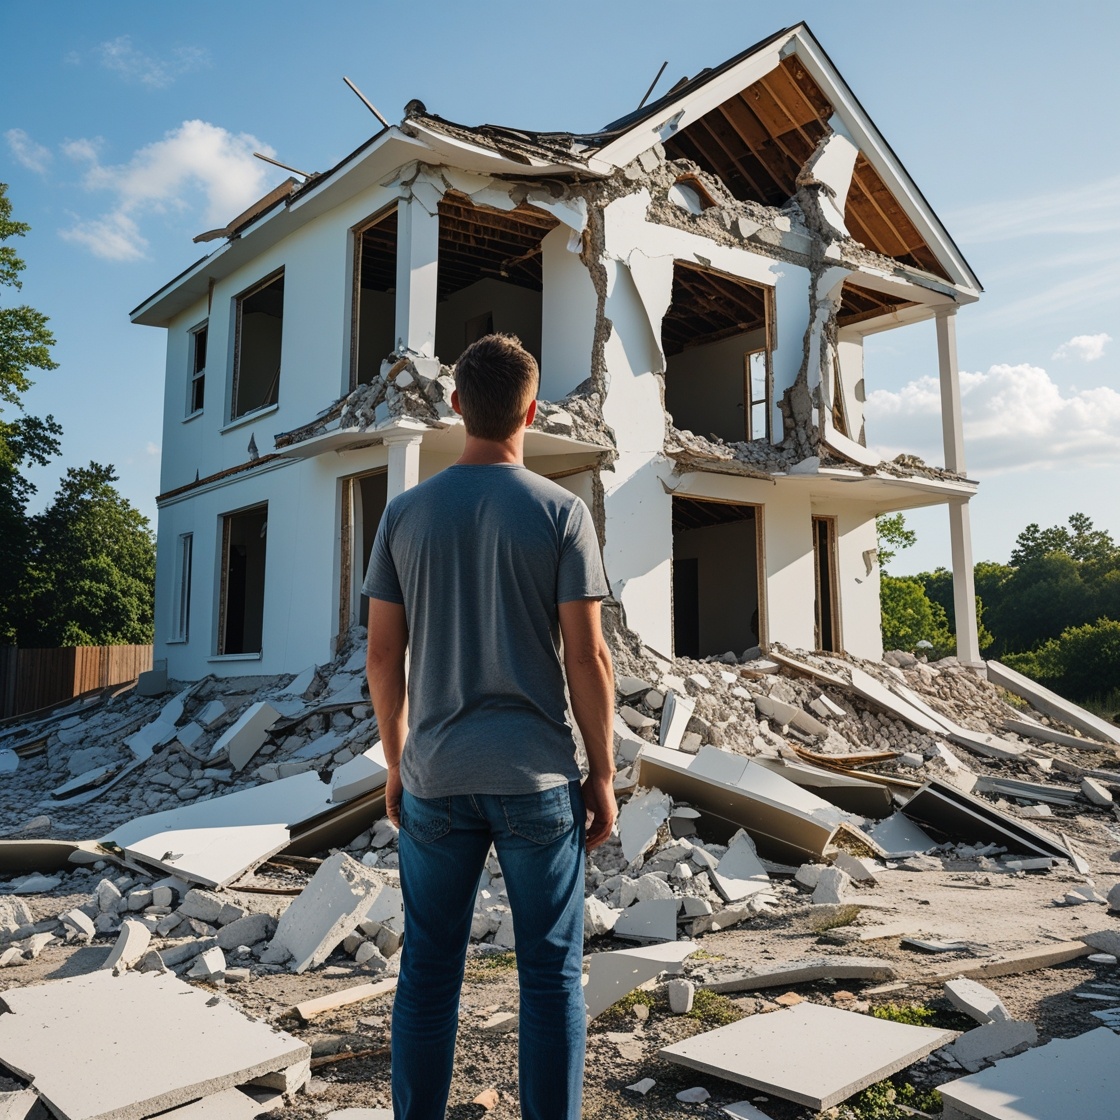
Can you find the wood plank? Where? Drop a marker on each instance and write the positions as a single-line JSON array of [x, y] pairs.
[[344, 998]]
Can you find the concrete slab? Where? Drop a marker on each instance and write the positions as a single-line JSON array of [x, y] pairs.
[[1052, 704], [655, 920], [993, 1040], [611, 976], [24, 1104], [361, 774], [1065, 1079], [740, 873], [232, 1104], [361, 1114], [246, 735], [211, 713], [812, 1055], [806, 972], [213, 842], [328, 909], [976, 1001], [105, 1024], [132, 944]]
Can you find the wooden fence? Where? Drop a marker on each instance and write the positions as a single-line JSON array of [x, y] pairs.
[[35, 678]]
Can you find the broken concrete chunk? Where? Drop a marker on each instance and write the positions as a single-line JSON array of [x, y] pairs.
[[246, 735], [250, 930], [675, 714], [639, 821], [634, 719], [739, 872], [862, 870], [132, 944], [832, 887], [644, 888], [501, 1022], [203, 905], [981, 1003], [613, 975], [79, 923], [631, 686], [681, 994], [655, 920], [366, 771], [993, 1040], [1096, 792], [598, 917], [210, 965], [329, 908]]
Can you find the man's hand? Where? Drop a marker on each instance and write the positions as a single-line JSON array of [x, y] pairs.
[[602, 809], [393, 790]]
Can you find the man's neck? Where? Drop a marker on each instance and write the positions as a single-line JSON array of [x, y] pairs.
[[487, 452]]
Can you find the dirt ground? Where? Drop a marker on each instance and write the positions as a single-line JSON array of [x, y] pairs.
[[965, 904]]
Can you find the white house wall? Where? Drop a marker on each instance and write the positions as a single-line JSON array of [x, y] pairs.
[[849, 352], [567, 317], [858, 586]]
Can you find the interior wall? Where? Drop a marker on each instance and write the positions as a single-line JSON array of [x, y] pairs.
[[850, 353], [371, 494], [376, 311], [516, 310], [704, 386], [259, 347], [860, 617], [727, 558], [568, 327]]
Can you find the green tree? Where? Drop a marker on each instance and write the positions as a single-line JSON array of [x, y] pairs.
[[1082, 662], [893, 536], [909, 617], [25, 344], [92, 572]]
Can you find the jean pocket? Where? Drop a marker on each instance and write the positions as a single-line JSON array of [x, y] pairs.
[[425, 818], [539, 817]]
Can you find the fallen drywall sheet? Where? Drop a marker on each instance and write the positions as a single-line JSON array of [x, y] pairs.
[[1074, 1078], [740, 873], [639, 821], [806, 972], [675, 714], [813, 1055], [776, 814], [160, 731], [78, 1040], [1050, 703], [1013, 963], [213, 842], [24, 1104], [964, 817], [243, 738], [847, 792], [655, 919], [363, 773], [611, 976], [1032, 730], [337, 826], [328, 909], [900, 837], [788, 715]]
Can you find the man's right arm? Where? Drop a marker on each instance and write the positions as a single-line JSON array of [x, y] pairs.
[[385, 654], [587, 665]]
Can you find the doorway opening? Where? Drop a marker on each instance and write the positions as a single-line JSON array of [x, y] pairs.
[[825, 585], [717, 573], [241, 609], [363, 502], [373, 323]]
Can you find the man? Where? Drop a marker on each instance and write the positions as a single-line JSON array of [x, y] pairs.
[[478, 572]]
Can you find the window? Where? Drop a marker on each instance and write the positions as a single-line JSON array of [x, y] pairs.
[[181, 605], [256, 359], [197, 391], [374, 311], [241, 606], [759, 394]]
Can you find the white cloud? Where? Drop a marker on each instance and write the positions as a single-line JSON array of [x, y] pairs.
[[33, 156], [197, 168], [1087, 347], [1015, 418], [151, 448], [120, 56]]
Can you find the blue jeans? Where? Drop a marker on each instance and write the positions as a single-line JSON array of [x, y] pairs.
[[443, 845]]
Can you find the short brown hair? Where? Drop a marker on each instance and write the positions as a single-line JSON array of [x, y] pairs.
[[497, 378]]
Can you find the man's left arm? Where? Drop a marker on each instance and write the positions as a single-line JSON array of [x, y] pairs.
[[388, 690]]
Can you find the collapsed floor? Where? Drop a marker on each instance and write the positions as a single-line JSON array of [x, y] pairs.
[[229, 837]]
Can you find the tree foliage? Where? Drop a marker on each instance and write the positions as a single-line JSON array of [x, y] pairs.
[[893, 536], [910, 617], [1082, 662], [92, 567]]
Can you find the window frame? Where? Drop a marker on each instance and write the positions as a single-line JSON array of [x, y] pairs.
[[181, 603], [196, 376], [235, 376]]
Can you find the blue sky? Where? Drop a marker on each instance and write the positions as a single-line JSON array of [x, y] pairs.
[[128, 128]]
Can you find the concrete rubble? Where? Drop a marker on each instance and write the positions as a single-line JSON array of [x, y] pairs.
[[755, 819]]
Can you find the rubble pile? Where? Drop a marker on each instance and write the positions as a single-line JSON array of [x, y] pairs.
[[233, 830]]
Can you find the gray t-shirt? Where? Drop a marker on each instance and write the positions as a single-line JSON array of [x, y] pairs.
[[481, 556]]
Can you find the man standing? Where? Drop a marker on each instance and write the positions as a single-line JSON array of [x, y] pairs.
[[478, 572]]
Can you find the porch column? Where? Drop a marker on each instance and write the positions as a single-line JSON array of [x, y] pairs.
[[960, 531], [404, 462], [417, 272]]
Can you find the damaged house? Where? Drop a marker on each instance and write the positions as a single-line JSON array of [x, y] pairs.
[[696, 281]]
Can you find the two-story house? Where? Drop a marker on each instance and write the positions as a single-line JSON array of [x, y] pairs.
[[697, 281]]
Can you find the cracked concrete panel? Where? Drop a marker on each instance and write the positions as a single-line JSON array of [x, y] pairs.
[[791, 314], [829, 171], [638, 547], [572, 212]]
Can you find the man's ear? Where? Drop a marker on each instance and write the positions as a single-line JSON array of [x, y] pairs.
[[455, 401], [531, 413]]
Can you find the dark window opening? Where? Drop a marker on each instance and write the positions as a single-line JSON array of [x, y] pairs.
[[490, 274], [717, 577], [256, 368], [717, 341], [375, 284], [241, 622], [181, 607], [363, 503], [827, 600], [198, 368]]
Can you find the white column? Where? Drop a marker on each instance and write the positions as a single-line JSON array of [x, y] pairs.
[[417, 273], [960, 530], [404, 462]]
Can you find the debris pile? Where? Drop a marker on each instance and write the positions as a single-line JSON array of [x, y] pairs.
[[233, 831]]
